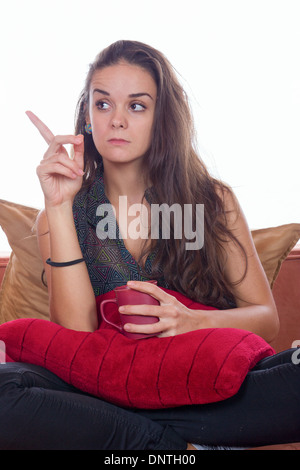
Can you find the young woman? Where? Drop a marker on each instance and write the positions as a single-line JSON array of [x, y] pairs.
[[134, 139]]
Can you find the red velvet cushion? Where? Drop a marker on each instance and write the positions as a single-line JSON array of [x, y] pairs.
[[199, 367]]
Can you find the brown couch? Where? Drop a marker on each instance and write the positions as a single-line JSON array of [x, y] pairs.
[[4, 257], [286, 292], [22, 293]]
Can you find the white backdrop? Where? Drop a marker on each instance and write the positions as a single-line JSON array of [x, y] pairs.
[[238, 60]]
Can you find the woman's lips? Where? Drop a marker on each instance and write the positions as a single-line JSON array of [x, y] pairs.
[[118, 141]]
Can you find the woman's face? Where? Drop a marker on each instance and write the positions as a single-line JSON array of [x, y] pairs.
[[121, 111]]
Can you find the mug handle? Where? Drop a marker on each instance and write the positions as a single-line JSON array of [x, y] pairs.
[[103, 316]]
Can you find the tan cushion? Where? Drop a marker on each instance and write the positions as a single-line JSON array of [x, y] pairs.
[[23, 293], [273, 245]]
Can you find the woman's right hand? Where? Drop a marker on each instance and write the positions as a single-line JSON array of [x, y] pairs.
[[60, 176]]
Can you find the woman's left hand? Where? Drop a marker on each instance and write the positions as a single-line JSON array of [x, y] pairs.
[[174, 317]]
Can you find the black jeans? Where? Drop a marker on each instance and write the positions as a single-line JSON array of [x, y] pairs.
[[40, 411]]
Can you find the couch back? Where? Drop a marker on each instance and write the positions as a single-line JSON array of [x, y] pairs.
[[4, 257], [286, 292]]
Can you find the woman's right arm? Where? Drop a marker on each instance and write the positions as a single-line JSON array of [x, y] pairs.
[[71, 297]]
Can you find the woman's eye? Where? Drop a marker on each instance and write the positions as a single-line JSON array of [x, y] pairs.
[[102, 105], [137, 107]]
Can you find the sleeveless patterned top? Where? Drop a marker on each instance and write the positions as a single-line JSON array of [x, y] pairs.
[[108, 261]]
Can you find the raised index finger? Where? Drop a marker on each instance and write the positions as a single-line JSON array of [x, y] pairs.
[[43, 129]]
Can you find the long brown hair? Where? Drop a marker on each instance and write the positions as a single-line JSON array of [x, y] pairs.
[[177, 175]]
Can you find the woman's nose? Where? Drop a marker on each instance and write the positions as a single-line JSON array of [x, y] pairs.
[[118, 120]]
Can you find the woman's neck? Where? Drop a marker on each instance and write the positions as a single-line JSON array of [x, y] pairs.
[[124, 180]]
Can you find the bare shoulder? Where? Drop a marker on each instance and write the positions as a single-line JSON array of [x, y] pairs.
[[241, 242], [227, 196], [242, 261], [231, 206]]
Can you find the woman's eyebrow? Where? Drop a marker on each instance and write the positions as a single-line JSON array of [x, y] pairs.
[[132, 95], [138, 95], [97, 90]]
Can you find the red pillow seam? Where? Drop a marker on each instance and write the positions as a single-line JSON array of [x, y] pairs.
[[48, 347], [23, 339], [223, 363], [192, 365], [101, 363], [128, 375], [75, 354], [159, 370]]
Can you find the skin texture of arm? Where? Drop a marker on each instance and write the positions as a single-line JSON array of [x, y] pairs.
[[71, 297]]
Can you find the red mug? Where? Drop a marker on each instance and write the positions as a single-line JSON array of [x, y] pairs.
[[126, 296]]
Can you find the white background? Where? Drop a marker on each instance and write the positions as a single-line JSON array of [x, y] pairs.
[[238, 60]]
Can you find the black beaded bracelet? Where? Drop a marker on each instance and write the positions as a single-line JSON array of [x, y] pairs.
[[67, 263]]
